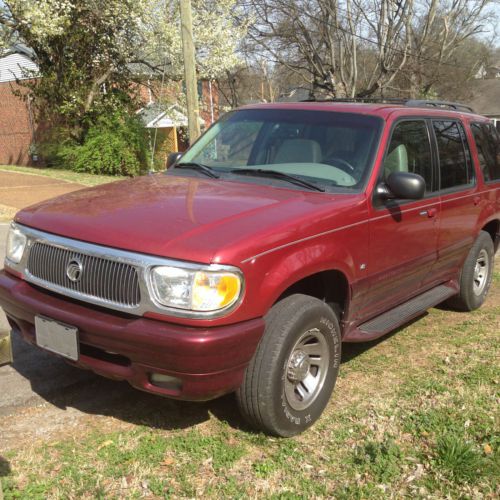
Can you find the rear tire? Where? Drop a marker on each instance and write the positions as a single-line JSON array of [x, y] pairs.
[[289, 381], [476, 275]]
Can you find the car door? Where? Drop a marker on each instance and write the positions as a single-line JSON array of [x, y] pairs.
[[403, 233], [460, 200]]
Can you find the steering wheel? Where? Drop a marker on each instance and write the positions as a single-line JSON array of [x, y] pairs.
[[340, 163]]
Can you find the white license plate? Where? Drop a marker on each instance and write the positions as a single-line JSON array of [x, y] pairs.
[[57, 337]]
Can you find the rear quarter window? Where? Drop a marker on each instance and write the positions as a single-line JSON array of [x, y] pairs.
[[455, 165], [487, 142]]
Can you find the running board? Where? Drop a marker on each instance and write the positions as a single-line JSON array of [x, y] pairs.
[[401, 314]]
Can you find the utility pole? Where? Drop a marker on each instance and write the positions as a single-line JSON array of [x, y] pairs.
[[190, 70]]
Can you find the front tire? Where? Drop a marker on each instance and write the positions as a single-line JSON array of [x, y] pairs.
[[289, 381], [476, 275]]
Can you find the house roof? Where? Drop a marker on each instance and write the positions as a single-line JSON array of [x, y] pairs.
[[17, 63], [18, 48], [486, 97], [156, 115]]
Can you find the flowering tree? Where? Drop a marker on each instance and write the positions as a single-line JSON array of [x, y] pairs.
[[90, 52], [216, 34]]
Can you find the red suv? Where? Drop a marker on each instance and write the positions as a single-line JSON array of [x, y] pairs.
[[285, 230]]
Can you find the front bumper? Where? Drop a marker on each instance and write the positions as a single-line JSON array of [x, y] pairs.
[[209, 362]]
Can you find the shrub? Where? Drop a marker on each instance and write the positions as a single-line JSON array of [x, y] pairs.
[[113, 145]]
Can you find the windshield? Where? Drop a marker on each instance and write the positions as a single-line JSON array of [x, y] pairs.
[[334, 149]]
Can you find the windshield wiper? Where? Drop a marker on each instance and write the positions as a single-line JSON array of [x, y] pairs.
[[209, 171], [277, 175]]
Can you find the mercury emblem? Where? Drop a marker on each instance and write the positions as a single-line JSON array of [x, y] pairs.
[[74, 270]]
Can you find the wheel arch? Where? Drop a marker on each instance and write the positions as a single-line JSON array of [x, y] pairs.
[[331, 286], [493, 229]]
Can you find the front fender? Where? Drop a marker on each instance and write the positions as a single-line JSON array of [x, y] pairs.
[[271, 274]]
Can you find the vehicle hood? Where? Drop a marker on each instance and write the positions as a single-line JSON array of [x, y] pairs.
[[186, 218]]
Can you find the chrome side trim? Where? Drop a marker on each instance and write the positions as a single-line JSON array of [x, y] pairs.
[[141, 262]]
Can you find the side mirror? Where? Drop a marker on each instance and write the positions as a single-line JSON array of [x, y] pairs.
[[172, 159], [403, 185]]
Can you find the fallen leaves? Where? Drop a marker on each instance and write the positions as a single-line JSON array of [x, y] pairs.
[[106, 443], [488, 450]]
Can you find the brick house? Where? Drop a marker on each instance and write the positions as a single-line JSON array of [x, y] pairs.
[[17, 128], [166, 121]]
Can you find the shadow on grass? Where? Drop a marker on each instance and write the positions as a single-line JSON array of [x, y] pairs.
[[65, 386], [353, 350]]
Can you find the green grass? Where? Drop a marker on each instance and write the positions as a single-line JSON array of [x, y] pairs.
[[63, 174], [460, 460], [413, 416]]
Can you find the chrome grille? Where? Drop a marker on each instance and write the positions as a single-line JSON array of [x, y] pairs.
[[103, 279]]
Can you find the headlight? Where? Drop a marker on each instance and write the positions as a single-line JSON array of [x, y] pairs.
[[16, 243], [195, 290]]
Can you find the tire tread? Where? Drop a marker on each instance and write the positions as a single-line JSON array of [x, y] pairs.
[[258, 380], [464, 301]]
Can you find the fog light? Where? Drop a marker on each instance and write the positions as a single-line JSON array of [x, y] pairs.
[[166, 381]]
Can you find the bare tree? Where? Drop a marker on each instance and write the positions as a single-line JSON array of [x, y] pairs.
[[440, 29], [390, 22], [349, 48], [320, 40]]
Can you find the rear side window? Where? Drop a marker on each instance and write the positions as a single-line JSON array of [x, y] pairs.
[[488, 150], [454, 155], [410, 151]]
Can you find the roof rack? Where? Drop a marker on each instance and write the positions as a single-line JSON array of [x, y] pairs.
[[379, 100], [417, 103], [414, 103]]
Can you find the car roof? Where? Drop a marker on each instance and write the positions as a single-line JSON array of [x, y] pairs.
[[383, 110]]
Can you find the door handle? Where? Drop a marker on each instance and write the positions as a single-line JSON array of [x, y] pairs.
[[477, 200], [432, 212]]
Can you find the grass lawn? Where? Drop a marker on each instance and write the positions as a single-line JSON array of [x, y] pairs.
[[414, 415], [62, 174]]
